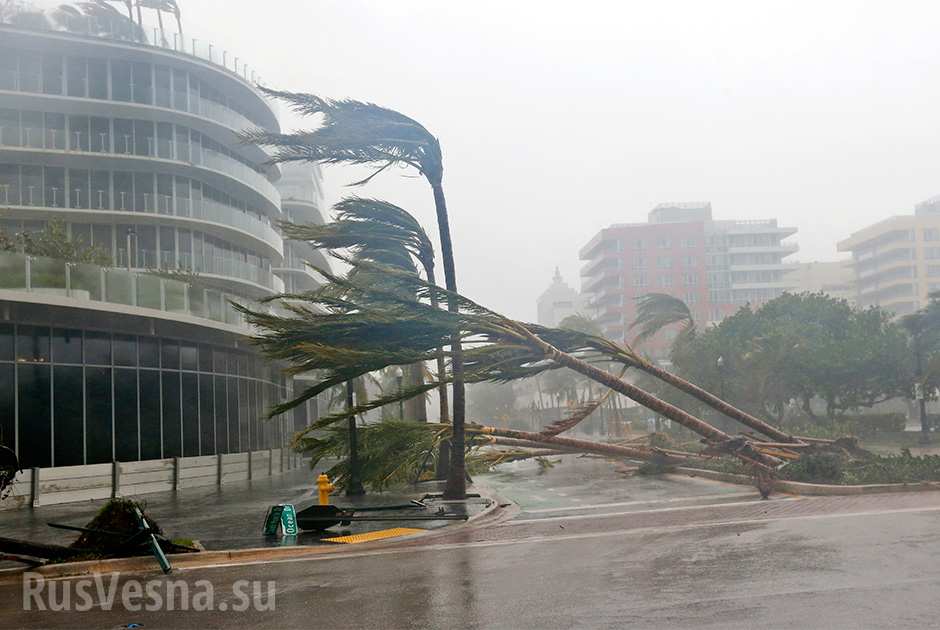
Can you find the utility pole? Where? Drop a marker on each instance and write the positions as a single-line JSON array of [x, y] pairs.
[[354, 487]]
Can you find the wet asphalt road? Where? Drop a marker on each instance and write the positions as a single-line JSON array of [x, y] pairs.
[[589, 548]]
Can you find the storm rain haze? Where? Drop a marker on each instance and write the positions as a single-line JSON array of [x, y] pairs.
[[560, 118]]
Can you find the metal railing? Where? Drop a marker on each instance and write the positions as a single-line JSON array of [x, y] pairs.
[[92, 283]]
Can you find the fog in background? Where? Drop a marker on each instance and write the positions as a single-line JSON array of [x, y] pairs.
[[560, 118]]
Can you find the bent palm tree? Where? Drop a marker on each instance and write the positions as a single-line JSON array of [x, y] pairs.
[[376, 327], [655, 311], [381, 232], [357, 133]]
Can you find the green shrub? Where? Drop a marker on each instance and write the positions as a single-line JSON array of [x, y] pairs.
[[815, 468]]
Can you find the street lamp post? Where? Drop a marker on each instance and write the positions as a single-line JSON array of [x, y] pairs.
[[399, 376], [354, 487]]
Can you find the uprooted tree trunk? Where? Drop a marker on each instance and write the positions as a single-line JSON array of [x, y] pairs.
[[742, 449]]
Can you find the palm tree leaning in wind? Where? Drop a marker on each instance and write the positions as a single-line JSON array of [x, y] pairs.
[[384, 233], [656, 311], [160, 6], [357, 133]]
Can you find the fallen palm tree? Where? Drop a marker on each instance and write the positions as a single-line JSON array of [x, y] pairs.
[[370, 328]]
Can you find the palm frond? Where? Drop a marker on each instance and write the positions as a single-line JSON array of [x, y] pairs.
[[656, 311]]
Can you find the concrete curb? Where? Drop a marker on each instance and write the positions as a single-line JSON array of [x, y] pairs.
[[811, 489], [146, 564]]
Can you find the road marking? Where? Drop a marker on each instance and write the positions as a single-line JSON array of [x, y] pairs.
[[593, 506], [482, 544], [683, 508]]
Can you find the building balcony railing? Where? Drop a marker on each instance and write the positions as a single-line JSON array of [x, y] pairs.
[[212, 265], [91, 283], [204, 51], [53, 198], [127, 145]]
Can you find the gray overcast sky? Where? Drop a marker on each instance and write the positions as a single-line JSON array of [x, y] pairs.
[[559, 118]]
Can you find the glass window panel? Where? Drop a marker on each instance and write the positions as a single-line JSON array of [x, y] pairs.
[[163, 96], [55, 192], [98, 416], [8, 71], [120, 80], [86, 282], [35, 415], [150, 447], [77, 74], [143, 192], [47, 273], [123, 136], [243, 413], [143, 83], [7, 406], [149, 352], [180, 90], [9, 127], [55, 131], [102, 235], [33, 133], [101, 135], [31, 185], [221, 429], [125, 415], [97, 78], [52, 74], [97, 348], [188, 356], [170, 355], [9, 184], [207, 445], [32, 343], [67, 346], [30, 71], [205, 359], [144, 140], [6, 342], [68, 413], [79, 133], [78, 194], [165, 194], [231, 414], [123, 190], [165, 141], [190, 402], [125, 350], [172, 436], [148, 291]]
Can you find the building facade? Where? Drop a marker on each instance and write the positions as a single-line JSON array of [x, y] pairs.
[[834, 278], [558, 301], [133, 147], [714, 266], [896, 262]]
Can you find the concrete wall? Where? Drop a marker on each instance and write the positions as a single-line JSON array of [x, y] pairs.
[[66, 484]]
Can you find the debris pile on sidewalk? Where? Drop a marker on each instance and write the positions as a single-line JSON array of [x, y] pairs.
[[120, 529]]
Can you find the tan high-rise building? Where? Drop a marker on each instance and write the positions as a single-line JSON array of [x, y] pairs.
[[834, 278], [897, 261]]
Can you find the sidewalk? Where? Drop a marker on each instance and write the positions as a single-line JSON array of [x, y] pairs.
[[231, 516]]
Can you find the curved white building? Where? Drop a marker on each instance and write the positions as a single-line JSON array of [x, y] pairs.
[[134, 148]]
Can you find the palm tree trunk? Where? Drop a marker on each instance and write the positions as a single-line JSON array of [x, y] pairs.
[[456, 487], [657, 406], [566, 443], [443, 450], [716, 403], [140, 20]]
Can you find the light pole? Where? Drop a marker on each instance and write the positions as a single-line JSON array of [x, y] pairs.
[[399, 376], [354, 487]]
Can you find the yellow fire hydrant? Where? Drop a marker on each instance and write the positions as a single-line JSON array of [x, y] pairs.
[[324, 487]]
